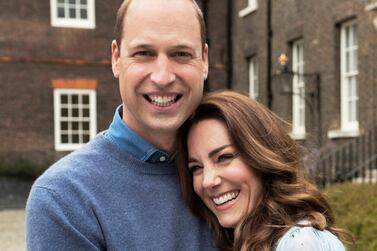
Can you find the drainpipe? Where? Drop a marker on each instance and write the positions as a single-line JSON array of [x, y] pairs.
[[230, 44], [269, 55]]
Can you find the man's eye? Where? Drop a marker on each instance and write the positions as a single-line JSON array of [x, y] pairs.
[[142, 54], [182, 54]]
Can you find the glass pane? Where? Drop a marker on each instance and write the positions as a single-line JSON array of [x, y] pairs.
[[75, 112], [75, 138], [64, 99], [84, 2], [72, 1], [75, 125], [63, 125], [75, 99], [354, 33], [72, 12], [355, 60], [64, 112], [348, 63], [85, 138], [61, 1], [85, 99], [64, 138], [83, 14], [61, 12], [85, 113], [85, 125]]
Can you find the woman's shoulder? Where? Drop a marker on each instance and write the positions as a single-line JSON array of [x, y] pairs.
[[309, 239]]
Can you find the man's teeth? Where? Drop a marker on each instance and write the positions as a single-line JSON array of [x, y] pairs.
[[225, 198], [162, 100]]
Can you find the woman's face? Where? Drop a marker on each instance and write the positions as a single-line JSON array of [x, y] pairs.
[[228, 187]]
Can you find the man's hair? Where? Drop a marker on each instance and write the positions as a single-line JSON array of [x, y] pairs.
[[122, 11]]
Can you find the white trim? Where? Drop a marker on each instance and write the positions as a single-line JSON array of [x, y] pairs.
[[89, 23], [297, 136], [298, 88], [59, 145], [333, 134], [253, 78], [252, 6], [348, 77], [371, 6]]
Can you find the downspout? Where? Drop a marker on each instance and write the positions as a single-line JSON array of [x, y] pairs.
[[230, 44], [269, 55]]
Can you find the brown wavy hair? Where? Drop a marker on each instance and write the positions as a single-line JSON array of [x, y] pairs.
[[263, 143]]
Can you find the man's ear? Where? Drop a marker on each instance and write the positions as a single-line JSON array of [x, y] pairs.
[[205, 61], [115, 58]]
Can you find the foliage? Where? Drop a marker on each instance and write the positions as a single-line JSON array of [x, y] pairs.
[[355, 209], [21, 169]]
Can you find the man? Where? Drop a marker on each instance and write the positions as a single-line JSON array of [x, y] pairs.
[[120, 191]]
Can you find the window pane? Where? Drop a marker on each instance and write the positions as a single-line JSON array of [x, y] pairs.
[[85, 113], [83, 14], [83, 2], [61, 12], [85, 99], [75, 125], [75, 99], [64, 99], [72, 1], [85, 125], [75, 138], [75, 112], [85, 138], [72, 13], [64, 112], [61, 1], [64, 138], [63, 125]]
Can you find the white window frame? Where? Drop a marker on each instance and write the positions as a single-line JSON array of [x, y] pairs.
[[298, 88], [58, 92], [89, 23], [348, 78], [253, 78], [252, 5]]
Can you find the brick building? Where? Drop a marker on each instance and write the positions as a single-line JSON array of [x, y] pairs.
[[57, 87], [333, 40]]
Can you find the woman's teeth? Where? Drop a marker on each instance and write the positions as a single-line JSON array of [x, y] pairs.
[[225, 198]]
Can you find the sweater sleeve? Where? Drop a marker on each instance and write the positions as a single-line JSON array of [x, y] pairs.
[[309, 239], [52, 223]]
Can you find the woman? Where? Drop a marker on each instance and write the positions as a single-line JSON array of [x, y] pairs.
[[241, 172]]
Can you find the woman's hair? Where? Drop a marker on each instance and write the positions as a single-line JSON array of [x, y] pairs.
[[262, 142]]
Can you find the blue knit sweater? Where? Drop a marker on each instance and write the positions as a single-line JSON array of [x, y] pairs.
[[100, 198]]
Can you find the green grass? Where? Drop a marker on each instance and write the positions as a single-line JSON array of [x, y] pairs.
[[21, 169], [355, 209]]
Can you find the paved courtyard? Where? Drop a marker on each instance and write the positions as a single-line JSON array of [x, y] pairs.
[[12, 225]]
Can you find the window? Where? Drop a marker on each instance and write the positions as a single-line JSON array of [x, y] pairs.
[[75, 114], [73, 13], [252, 5], [349, 72], [253, 78], [298, 97]]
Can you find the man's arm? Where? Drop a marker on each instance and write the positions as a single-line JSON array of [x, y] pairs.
[[56, 222]]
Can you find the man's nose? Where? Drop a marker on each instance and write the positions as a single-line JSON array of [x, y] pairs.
[[211, 178], [162, 74]]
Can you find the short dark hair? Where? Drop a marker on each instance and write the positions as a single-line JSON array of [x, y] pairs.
[[122, 11]]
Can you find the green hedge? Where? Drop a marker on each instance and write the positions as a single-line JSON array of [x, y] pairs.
[[21, 169], [355, 209]]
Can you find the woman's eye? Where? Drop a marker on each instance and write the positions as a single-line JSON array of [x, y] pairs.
[[194, 169], [225, 157]]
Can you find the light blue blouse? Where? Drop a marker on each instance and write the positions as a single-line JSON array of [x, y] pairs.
[[308, 239]]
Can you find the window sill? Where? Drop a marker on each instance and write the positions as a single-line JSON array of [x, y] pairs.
[[334, 134], [298, 136], [248, 10]]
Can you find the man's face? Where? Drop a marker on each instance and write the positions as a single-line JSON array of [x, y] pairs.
[[161, 66]]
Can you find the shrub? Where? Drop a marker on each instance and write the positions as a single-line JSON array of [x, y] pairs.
[[21, 168], [355, 209]]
